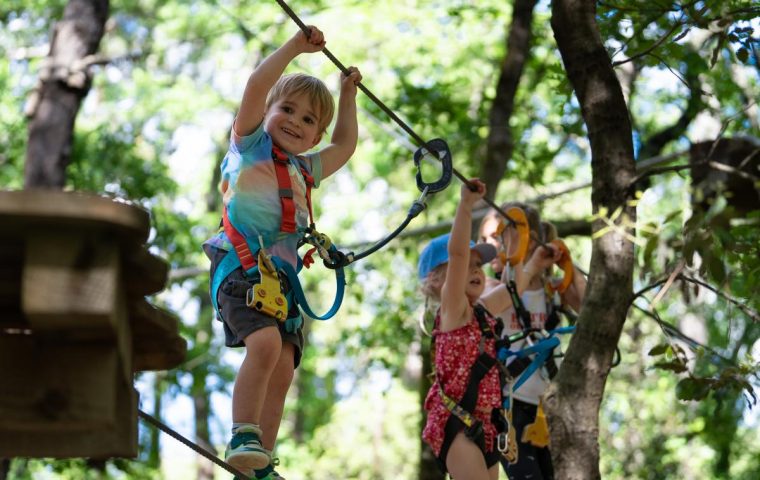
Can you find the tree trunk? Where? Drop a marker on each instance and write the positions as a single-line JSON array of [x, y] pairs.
[[64, 81], [573, 400], [500, 141], [199, 390]]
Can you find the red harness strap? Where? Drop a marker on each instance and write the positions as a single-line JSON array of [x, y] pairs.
[[280, 159], [247, 260], [288, 222]]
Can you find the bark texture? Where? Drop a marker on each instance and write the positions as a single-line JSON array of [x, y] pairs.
[[500, 143], [64, 81], [573, 400]]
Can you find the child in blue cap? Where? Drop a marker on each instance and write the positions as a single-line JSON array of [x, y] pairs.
[[465, 397]]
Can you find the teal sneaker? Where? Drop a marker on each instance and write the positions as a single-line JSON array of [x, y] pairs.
[[268, 472], [244, 452]]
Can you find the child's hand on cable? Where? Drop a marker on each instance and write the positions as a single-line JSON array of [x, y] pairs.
[[472, 191], [349, 81], [314, 42]]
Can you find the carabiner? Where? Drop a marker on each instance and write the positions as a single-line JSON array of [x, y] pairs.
[[520, 221], [566, 265], [502, 442], [444, 156]]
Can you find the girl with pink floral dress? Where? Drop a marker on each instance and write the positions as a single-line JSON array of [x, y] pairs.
[[467, 388]]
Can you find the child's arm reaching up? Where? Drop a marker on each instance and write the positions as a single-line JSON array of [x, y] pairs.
[[455, 306], [346, 132], [266, 75]]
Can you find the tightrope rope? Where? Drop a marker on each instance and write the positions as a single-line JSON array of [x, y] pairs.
[[420, 142], [198, 449]]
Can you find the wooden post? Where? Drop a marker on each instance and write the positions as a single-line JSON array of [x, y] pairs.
[[75, 324]]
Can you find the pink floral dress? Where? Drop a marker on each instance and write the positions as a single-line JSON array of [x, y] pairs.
[[455, 353]]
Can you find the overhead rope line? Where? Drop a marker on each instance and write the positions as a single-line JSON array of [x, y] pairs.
[[671, 331], [420, 142], [197, 448]]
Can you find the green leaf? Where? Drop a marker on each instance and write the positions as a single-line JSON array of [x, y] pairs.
[[691, 388], [659, 349], [717, 268], [676, 366]]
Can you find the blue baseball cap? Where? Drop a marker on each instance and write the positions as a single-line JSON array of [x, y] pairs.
[[437, 253]]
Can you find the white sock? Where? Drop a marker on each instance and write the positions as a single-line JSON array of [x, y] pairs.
[[237, 425]]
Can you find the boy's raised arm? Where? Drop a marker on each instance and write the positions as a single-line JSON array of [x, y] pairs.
[[262, 79], [346, 132]]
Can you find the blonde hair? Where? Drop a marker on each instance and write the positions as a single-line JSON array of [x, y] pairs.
[[297, 83], [431, 285]]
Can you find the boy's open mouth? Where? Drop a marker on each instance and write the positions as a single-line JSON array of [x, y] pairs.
[[290, 132]]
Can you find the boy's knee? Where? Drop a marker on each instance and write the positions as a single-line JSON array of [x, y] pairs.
[[264, 344]]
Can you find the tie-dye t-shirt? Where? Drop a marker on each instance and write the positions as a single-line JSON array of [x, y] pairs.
[[251, 194]]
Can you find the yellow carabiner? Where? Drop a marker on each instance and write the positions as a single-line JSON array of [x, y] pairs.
[[510, 453], [266, 295], [566, 264], [523, 236], [324, 241]]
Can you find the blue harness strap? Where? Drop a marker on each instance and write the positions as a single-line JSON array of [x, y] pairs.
[[300, 297], [230, 262], [542, 349]]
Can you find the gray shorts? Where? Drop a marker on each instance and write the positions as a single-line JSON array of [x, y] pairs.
[[240, 320]]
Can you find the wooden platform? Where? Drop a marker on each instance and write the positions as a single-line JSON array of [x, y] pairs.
[[75, 324]]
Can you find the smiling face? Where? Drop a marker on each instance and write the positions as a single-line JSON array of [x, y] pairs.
[[293, 123]]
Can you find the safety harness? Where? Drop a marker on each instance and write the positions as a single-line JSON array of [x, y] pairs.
[[541, 341], [266, 295], [462, 410]]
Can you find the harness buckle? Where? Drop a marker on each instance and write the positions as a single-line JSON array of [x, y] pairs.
[[266, 295], [502, 442]]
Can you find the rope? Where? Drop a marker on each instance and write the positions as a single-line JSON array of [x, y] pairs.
[[392, 115], [197, 448]]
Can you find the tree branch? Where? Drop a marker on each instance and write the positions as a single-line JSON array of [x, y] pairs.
[[712, 164], [671, 330], [500, 142], [747, 310], [651, 48]]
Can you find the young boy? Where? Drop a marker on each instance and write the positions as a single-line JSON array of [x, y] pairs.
[[280, 117]]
